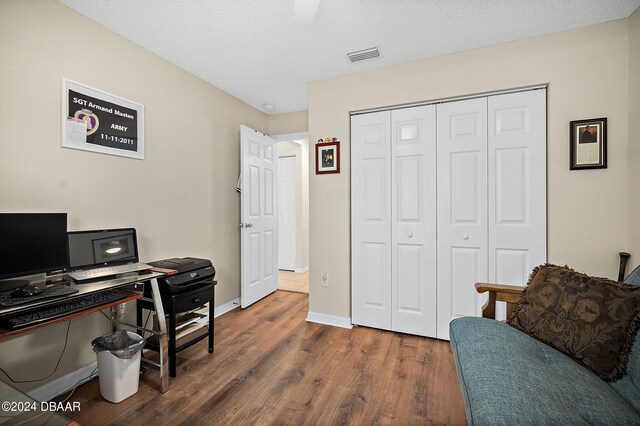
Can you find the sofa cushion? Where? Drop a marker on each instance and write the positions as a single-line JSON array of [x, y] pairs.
[[509, 378], [593, 320], [629, 385]]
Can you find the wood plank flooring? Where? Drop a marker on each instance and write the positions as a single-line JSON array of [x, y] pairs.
[[292, 281], [270, 366]]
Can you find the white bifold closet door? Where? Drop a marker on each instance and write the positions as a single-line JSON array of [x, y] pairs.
[[443, 197], [393, 220], [462, 208], [371, 219], [491, 197]]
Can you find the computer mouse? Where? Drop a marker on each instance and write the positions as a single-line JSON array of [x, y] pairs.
[[26, 291]]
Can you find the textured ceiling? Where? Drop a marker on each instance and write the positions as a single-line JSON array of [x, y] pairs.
[[254, 50]]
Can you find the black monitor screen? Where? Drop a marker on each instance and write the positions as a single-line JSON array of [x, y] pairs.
[[31, 243], [102, 247]]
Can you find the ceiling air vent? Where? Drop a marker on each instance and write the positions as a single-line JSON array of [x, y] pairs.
[[363, 55]]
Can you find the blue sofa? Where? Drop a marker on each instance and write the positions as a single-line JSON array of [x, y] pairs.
[[510, 378]]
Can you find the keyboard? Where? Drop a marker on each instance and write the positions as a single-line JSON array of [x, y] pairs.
[[7, 300], [92, 274], [61, 309]]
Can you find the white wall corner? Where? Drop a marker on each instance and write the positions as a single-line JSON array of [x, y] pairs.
[[335, 321]]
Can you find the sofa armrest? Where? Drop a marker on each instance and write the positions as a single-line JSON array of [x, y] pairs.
[[499, 293]]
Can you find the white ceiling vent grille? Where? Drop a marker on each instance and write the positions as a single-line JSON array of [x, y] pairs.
[[363, 55]]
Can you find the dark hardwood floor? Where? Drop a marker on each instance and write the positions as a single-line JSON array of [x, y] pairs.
[[270, 366]]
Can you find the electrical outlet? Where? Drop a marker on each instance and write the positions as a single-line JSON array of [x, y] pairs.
[[325, 278], [122, 308]]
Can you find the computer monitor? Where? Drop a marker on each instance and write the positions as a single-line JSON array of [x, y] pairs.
[[31, 243], [102, 247]]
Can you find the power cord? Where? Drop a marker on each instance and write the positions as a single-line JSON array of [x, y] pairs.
[[79, 382], [66, 340]]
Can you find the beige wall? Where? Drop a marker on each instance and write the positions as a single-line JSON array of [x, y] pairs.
[[587, 72], [181, 198], [291, 122], [634, 139]]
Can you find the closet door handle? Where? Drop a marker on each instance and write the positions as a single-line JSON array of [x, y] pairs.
[[465, 236], [410, 235]]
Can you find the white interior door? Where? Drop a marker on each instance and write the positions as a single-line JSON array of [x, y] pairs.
[[462, 209], [287, 217], [413, 212], [371, 219], [517, 186], [259, 216]]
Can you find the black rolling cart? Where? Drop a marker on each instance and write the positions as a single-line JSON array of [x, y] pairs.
[[184, 294]]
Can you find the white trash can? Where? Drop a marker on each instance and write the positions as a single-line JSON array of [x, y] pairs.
[[118, 375]]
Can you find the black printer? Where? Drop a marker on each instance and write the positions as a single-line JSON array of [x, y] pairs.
[[182, 293], [192, 273]]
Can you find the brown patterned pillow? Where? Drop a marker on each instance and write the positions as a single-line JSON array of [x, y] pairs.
[[592, 320]]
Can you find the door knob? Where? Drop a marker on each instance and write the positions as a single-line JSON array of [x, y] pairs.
[[410, 235], [248, 225], [465, 236]]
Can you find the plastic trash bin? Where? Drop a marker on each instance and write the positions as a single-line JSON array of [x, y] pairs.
[[118, 357]]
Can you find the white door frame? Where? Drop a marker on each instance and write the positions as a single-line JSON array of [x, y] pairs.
[[290, 137]]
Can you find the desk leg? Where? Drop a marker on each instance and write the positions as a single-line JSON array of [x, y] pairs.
[[162, 338], [172, 341]]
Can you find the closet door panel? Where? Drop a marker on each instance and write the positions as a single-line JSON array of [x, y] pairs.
[[462, 209], [413, 233], [371, 219], [517, 186], [465, 267]]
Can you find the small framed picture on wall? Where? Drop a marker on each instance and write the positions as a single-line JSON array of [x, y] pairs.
[[588, 144], [328, 157]]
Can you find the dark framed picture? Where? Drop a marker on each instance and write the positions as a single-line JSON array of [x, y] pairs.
[[588, 144], [328, 157]]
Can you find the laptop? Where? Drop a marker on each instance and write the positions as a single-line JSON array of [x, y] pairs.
[[103, 252]]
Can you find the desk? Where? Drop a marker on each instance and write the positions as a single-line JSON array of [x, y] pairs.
[[94, 287]]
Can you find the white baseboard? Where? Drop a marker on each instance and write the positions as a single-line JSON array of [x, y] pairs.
[[302, 270], [344, 322], [63, 384], [223, 309]]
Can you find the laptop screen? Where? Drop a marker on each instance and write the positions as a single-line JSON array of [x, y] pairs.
[[102, 247]]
